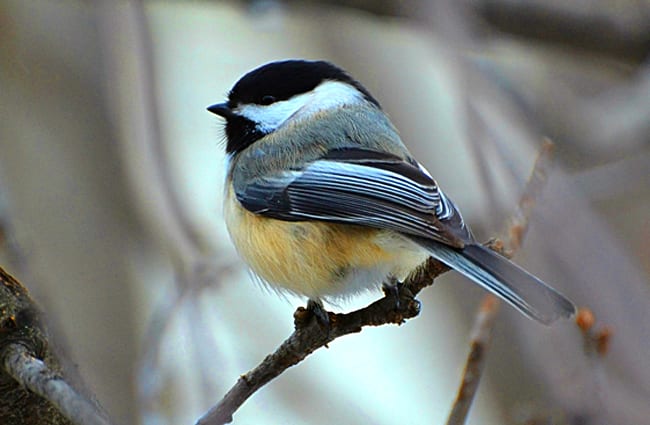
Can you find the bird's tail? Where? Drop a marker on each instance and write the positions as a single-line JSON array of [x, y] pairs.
[[505, 279]]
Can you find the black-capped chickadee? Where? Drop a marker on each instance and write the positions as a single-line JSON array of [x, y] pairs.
[[324, 200]]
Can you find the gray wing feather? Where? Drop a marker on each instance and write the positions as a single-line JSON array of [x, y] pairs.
[[504, 278], [372, 193]]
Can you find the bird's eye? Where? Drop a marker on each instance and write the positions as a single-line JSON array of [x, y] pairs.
[[267, 100]]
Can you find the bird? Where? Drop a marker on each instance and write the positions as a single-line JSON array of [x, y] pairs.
[[323, 199]]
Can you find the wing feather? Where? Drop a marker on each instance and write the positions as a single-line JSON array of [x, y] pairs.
[[372, 189]]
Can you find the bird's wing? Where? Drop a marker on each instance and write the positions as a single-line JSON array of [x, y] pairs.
[[358, 186]]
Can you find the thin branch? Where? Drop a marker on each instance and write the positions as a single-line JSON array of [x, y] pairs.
[[617, 29], [34, 386], [484, 322], [36, 376], [480, 341], [519, 220]]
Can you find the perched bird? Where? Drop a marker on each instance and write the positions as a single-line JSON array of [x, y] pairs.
[[324, 200]]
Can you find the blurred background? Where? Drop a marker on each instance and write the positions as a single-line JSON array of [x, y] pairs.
[[111, 179]]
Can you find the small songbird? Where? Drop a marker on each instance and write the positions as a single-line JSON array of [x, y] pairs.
[[324, 200]]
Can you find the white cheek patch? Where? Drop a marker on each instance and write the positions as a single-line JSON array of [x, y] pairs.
[[331, 95], [270, 117], [328, 95]]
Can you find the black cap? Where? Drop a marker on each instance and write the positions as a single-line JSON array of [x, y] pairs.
[[282, 80]]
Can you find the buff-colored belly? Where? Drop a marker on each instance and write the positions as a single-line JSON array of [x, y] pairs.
[[318, 259]]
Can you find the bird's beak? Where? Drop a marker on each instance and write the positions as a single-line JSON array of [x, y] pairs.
[[222, 109]]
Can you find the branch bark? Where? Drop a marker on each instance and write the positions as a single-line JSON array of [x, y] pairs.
[[33, 387], [35, 375]]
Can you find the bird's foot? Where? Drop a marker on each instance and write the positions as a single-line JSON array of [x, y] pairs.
[[315, 307], [314, 310], [397, 290]]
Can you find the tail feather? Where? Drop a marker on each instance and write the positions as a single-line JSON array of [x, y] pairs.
[[505, 279]]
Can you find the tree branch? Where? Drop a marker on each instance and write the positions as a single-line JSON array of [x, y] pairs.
[[617, 29], [36, 376], [484, 321], [33, 389], [480, 341]]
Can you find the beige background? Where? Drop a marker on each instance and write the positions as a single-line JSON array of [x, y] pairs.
[[110, 191]]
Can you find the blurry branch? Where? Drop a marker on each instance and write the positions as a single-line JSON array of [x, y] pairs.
[[484, 321], [309, 335], [618, 29], [33, 388], [603, 117], [128, 46], [377, 7], [133, 102], [625, 178], [596, 340], [532, 191], [596, 343], [480, 340]]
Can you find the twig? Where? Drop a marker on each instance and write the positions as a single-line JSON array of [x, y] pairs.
[[489, 307], [34, 388], [481, 336], [532, 191]]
